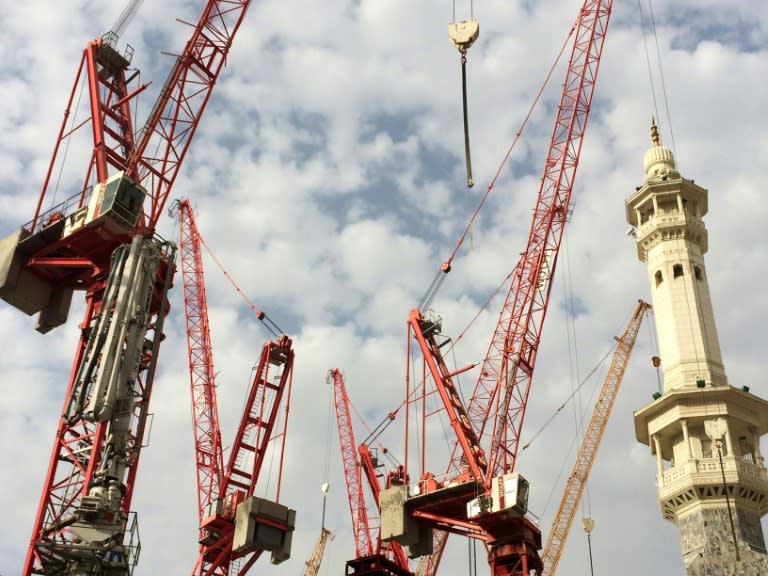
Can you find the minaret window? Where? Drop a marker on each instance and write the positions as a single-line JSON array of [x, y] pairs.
[[659, 277], [698, 273], [677, 270], [745, 447]]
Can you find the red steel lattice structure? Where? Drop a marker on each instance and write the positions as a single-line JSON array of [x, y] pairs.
[[372, 557], [126, 182], [361, 529], [205, 415], [488, 429], [220, 489]]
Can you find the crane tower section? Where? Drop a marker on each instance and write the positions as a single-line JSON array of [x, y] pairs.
[[84, 526], [72, 245]]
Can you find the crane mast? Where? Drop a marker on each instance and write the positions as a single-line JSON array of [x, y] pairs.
[[84, 517], [481, 496], [372, 558], [86, 526], [574, 487], [235, 526]]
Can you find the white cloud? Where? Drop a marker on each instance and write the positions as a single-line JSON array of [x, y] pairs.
[[328, 177]]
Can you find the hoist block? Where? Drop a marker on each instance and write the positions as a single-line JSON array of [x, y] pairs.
[[463, 33]]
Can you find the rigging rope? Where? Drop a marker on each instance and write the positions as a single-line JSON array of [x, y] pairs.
[[72, 128], [467, 154], [445, 267], [578, 388], [652, 27], [661, 77], [573, 361], [328, 430], [648, 59], [273, 328], [126, 17]]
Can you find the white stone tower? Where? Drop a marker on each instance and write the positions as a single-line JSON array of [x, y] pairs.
[[705, 434]]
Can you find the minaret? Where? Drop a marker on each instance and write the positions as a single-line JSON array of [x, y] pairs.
[[705, 434]]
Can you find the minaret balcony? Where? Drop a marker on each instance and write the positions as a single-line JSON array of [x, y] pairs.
[[671, 226], [701, 479]]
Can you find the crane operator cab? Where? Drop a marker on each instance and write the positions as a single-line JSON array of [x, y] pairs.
[[114, 205], [43, 262]]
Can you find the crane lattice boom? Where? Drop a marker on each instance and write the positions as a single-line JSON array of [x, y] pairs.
[[488, 428], [574, 487], [498, 403], [361, 529], [205, 417], [226, 502], [371, 555], [313, 564]]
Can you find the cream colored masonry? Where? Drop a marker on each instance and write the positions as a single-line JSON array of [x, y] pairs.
[[666, 213], [705, 434]]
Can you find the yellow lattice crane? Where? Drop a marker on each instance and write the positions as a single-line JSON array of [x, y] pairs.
[[313, 563], [574, 488]]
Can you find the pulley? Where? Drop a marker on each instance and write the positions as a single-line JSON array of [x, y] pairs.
[[463, 34]]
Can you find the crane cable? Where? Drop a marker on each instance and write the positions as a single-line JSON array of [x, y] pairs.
[[445, 267], [126, 17], [560, 408], [270, 325], [659, 64], [462, 35], [587, 522], [571, 396]]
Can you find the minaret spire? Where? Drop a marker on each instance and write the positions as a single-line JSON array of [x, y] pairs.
[[705, 434], [654, 132]]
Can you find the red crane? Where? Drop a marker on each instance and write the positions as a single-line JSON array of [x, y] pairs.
[[372, 557], [235, 526], [481, 496], [101, 240]]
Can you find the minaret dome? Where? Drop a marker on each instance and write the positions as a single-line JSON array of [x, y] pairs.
[[658, 161]]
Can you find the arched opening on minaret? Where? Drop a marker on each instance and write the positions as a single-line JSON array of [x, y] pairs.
[[698, 273], [677, 270], [747, 450], [659, 277]]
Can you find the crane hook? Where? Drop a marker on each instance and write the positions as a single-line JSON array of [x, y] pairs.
[[462, 35]]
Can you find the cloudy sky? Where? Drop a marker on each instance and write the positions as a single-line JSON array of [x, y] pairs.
[[327, 176]]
